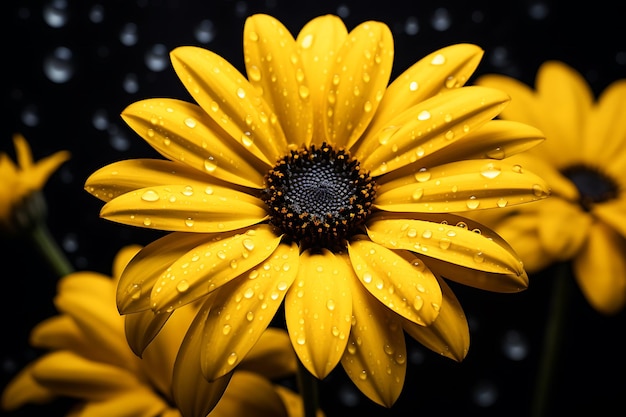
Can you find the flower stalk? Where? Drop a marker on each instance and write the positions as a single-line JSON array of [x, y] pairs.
[[307, 385]]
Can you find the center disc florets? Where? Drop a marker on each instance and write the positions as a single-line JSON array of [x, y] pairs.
[[318, 196]]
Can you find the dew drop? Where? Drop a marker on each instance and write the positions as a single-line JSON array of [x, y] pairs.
[[444, 243], [307, 41], [517, 169], [150, 195], [190, 122], [241, 93], [301, 340], [438, 59], [367, 106], [182, 286], [147, 221], [210, 165], [330, 305], [418, 303], [248, 244], [413, 86], [472, 203], [502, 203], [232, 358], [226, 329], [367, 277], [479, 257], [427, 234], [490, 171], [254, 73], [422, 175], [497, 153], [189, 222], [424, 115]]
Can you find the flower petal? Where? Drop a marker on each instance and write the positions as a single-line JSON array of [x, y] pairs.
[[244, 309], [375, 358], [229, 99], [183, 132], [408, 291], [562, 228], [272, 355], [142, 327], [143, 271], [447, 237], [461, 186], [36, 174], [143, 402], [428, 127], [209, 266], [186, 208], [273, 67], [612, 213], [318, 311], [360, 75], [23, 389], [449, 334]]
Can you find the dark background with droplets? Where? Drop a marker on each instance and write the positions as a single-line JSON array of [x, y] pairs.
[[71, 67]]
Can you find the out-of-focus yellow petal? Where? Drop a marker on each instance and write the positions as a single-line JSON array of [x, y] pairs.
[[293, 402], [461, 186], [600, 269], [272, 356], [428, 127], [318, 42], [140, 275], [23, 389], [192, 207], [142, 327], [209, 266], [375, 358], [408, 291], [449, 334], [612, 213], [446, 237], [183, 132], [229, 99], [562, 228], [447, 68], [141, 402], [121, 260], [273, 67], [244, 309], [34, 175], [359, 78], [318, 310]]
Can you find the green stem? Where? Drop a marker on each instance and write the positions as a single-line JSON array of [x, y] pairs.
[[308, 390], [48, 248], [553, 340]]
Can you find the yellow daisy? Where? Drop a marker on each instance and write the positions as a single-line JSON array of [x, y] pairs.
[[20, 182], [89, 360], [583, 160], [314, 184]]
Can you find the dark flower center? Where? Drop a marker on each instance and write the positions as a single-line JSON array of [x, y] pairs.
[[593, 185], [318, 196]]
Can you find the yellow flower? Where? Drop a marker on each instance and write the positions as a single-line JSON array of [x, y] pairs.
[[89, 360], [314, 184], [20, 183], [584, 161]]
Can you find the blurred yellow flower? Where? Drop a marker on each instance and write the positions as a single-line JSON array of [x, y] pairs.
[[584, 161], [20, 182], [315, 183], [89, 360]]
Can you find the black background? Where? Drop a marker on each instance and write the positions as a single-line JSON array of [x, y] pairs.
[[81, 115]]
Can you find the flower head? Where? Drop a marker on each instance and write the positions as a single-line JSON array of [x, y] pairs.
[[583, 160], [312, 183], [19, 206], [88, 359]]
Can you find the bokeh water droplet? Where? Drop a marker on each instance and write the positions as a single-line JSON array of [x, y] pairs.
[[59, 65]]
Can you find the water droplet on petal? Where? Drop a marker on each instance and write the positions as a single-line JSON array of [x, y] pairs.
[[423, 115], [438, 59], [150, 195]]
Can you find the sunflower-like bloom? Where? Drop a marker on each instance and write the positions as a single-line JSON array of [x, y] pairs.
[[18, 208], [90, 360], [314, 184], [584, 161]]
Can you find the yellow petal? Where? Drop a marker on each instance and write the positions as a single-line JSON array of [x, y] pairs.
[[191, 207], [23, 153], [183, 132], [58, 332], [461, 186], [600, 269], [318, 42], [122, 259], [428, 127], [141, 274], [249, 394], [142, 327], [449, 334], [272, 356], [273, 67], [35, 175], [612, 213], [446, 237], [358, 81], [446, 68], [23, 389], [375, 358], [563, 228], [209, 266], [142, 402], [229, 99], [244, 309], [318, 309], [408, 291]]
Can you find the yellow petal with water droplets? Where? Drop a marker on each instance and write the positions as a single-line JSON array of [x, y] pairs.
[[229, 99], [318, 42], [437, 72], [375, 358], [183, 132], [461, 186], [211, 265], [190, 207], [357, 82], [23, 389], [141, 328], [275, 68], [194, 395], [244, 309], [411, 292], [455, 242], [449, 334], [318, 311], [143, 271], [428, 127]]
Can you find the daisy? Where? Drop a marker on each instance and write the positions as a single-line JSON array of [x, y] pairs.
[[314, 185], [583, 160], [88, 359]]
